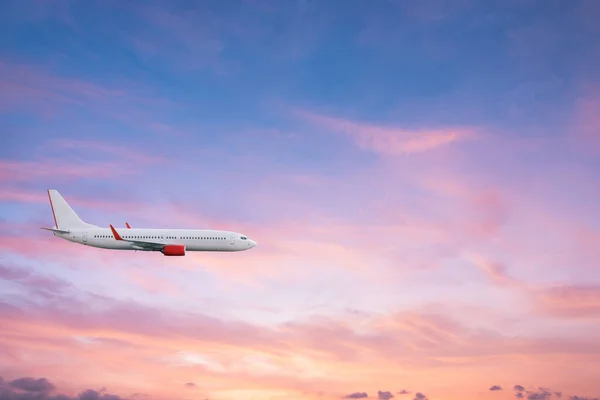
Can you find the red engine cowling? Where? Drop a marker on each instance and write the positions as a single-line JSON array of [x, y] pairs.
[[174, 250]]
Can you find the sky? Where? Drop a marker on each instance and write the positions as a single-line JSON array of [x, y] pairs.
[[421, 178]]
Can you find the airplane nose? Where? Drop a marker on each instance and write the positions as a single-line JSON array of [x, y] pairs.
[[252, 243]]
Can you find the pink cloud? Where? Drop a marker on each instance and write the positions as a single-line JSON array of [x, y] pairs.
[[16, 195], [481, 209], [467, 217], [387, 140], [29, 242], [79, 163], [574, 301], [294, 250], [29, 89], [151, 283], [327, 352], [496, 271], [29, 278], [586, 240], [81, 202], [24, 86], [47, 248], [58, 171], [127, 156], [484, 220]]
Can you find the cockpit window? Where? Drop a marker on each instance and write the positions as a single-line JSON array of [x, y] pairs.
[[243, 237]]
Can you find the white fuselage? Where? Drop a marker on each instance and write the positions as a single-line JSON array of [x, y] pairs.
[[192, 239]]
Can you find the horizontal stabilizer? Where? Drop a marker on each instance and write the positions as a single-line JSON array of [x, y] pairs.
[[56, 230]]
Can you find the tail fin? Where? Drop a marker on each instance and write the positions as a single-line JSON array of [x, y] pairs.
[[64, 216]]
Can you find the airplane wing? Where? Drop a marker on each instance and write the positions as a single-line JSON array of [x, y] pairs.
[[128, 226], [142, 244]]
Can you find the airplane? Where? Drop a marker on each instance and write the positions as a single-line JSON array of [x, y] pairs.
[[170, 242]]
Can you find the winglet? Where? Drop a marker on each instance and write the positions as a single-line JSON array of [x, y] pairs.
[[115, 233], [128, 226]]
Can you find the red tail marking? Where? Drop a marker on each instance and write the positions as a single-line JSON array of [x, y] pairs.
[[127, 223], [52, 206], [115, 233]]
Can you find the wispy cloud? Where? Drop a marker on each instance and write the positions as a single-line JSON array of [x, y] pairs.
[[33, 89], [58, 171], [30, 279], [27, 88], [230, 349], [572, 302], [128, 156], [67, 161], [496, 271], [390, 140]]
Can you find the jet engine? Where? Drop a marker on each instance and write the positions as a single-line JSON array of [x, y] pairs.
[[174, 250]]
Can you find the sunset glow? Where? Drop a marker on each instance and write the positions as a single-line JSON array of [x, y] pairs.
[[422, 179]]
